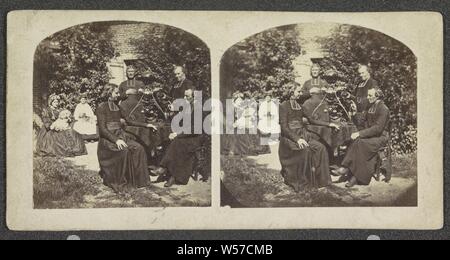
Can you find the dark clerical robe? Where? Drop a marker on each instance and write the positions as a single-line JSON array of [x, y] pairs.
[[301, 167], [180, 155], [130, 84], [362, 103], [317, 108], [177, 92], [309, 84], [132, 109], [119, 169], [361, 157]]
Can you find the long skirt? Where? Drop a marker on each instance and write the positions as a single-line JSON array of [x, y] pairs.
[[361, 158], [179, 158], [123, 169], [66, 143], [306, 168]]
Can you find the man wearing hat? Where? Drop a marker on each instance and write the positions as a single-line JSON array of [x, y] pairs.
[[314, 82], [130, 83]]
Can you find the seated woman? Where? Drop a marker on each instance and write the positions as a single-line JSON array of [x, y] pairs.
[[304, 161], [246, 140], [123, 161], [56, 138], [85, 120]]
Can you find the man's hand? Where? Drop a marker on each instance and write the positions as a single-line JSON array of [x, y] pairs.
[[335, 126], [121, 145], [355, 136], [302, 144], [152, 126], [172, 136]]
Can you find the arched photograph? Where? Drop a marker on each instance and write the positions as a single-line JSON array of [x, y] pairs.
[[104, 97], [323, 115]]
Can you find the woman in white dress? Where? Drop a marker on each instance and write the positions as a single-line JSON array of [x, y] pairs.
[[85, 120], [269, 119]]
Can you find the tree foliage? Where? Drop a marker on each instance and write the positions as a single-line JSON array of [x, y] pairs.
[[261, 63], [393, 65], [161, 50], [74, 61]]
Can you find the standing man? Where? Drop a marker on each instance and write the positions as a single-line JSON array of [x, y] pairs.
[[361, 158], [184, 84], [314, 82], [362, 104], [131, 83]]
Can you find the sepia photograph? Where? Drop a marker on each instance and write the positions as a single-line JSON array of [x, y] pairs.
[[325, 116], [202, 120], [103, 97]]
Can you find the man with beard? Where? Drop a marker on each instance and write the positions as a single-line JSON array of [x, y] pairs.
[[184, 84], [177, 164], [314, 82], [305, 161], [130, 83], [361, 158]]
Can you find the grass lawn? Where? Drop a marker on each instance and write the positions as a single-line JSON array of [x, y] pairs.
[[255, 185], [59, 184]]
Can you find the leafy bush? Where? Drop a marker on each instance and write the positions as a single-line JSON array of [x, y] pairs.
[[60, 184], [261, 63], [74, 61], [159, 53]]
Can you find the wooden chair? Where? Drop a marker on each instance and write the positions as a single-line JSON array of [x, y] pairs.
[[384, 160]]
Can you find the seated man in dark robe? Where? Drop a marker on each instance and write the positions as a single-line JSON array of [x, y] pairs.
[[178, 161], [361, 158], [122, 160], [304, 161], [132, 109]]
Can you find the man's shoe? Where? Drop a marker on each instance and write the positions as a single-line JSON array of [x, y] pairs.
[[352, 182], [158, 172], [343, 178], [170, 182], [161, 178], [340, 172]]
